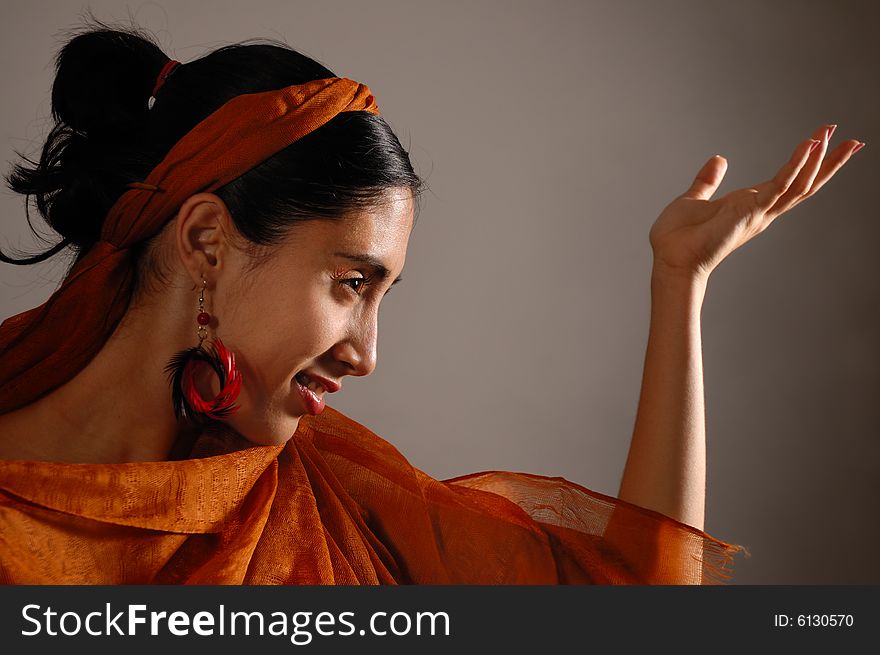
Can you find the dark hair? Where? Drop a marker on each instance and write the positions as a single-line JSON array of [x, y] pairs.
[[105, 137]]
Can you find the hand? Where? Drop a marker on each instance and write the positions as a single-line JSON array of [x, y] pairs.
[[694, 234]]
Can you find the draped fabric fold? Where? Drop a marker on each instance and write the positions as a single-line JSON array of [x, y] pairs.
[[336, 505]]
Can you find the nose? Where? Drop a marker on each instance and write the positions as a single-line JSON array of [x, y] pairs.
[[358, 349]]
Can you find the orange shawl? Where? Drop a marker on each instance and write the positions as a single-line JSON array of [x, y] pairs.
[[337, 504]]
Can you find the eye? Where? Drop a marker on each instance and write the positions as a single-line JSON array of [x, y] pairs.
[[356, 284]]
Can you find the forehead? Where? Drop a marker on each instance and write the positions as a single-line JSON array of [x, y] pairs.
[[384, 225], [381, 231]]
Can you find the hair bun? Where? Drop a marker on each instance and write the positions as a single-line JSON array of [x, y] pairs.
[[99, 102], [103, 80]]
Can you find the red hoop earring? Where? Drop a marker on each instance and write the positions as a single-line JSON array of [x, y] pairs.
[[181, 369]]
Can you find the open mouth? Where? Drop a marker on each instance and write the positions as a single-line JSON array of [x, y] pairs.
[[308, 383], [311, 392]]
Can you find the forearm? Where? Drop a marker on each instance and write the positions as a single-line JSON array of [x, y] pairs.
[[666, 467]]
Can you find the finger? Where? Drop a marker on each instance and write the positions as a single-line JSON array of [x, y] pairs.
[[804, 180], [833, 163], [824, 131], [767, 193], [708, 179]]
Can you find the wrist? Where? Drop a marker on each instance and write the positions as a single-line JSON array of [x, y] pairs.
[[677, 284], [679, 277]]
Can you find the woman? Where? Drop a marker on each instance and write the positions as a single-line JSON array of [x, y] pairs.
[[237, 221]]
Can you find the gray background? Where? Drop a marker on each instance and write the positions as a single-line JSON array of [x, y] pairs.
[[552, 134]]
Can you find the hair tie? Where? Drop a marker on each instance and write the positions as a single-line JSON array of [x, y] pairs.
[[142, 185], [167, 69]]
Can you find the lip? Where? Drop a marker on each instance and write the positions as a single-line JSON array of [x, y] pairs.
[[329, 385], [314, 402]]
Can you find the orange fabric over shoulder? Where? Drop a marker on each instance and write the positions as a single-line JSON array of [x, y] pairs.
[[337, 504]]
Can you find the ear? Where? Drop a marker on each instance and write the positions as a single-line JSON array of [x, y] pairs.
[[203, 236]]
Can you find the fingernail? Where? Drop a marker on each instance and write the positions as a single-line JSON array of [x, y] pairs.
[[857, 148], [815, 143], [829, 132]]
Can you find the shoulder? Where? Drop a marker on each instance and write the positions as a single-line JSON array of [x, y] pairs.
[[332, 426], [348, 446]]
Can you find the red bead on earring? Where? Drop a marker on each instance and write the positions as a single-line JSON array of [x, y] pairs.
[[188, 403]]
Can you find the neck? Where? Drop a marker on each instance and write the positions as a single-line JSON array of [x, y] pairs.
[[117, 409]]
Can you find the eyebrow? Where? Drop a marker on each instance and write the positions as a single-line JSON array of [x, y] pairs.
[[381, 271]]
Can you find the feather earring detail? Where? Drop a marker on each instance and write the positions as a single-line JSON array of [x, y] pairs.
[[182, 368]]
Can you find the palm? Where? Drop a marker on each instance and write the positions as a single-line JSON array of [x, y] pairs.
[[694, 233]]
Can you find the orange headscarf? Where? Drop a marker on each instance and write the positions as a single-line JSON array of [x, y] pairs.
[[44, 347]]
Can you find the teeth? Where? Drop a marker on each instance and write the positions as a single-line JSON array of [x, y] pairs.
[[314, 386]]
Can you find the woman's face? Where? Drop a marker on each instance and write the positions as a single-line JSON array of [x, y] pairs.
[[311, 309]]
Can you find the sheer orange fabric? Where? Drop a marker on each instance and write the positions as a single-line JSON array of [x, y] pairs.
[[336, 505]]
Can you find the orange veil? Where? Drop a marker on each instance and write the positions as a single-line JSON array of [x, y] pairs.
[[337, 504]]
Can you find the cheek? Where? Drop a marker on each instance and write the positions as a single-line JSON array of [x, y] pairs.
[[282, 332]]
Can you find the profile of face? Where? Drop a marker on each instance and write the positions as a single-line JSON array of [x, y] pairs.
[[308, 312]]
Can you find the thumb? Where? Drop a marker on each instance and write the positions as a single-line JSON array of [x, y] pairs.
[[708, 179]]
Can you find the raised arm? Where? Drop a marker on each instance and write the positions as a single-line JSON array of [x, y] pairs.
[[666, 465]]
